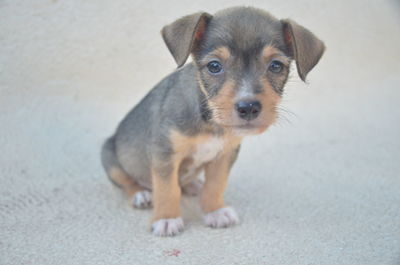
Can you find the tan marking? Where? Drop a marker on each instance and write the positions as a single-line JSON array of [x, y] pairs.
[[270, 52], [216, 171], [166, 190], [222, 105], [201, 85], [129, 186], [216, 178], [183, 144], [166, 194], [269, 100], [221, 53]]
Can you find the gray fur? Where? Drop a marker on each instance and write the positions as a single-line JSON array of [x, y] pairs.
[[109, 158], [303, 45], [180, 36], [246, 31], [141, 142], [142, 136], [243, 29]]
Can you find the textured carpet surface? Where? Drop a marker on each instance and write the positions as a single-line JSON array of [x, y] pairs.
[[320, 187]]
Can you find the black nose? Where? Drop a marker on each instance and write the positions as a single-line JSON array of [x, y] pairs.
[[248, 110]]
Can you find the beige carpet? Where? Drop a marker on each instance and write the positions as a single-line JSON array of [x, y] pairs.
[[320, 187]]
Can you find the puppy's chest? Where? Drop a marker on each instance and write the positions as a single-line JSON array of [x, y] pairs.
[[206, 151], [198, 155]]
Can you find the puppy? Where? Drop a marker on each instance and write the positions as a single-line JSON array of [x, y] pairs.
[[195, 119]]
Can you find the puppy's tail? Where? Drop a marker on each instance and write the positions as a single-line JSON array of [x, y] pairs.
[[110, 162]]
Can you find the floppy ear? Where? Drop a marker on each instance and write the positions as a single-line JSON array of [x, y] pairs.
[[303, 46], [183, 35]]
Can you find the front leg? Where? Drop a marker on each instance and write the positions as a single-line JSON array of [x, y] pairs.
[[166, 201], [217, 214]]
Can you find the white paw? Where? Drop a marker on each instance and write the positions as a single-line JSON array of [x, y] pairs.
[[221, 218], [142, 199], [193, 188], [167, 227]]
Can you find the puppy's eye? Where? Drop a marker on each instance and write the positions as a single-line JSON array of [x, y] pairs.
[[214, 67], [275, 67]]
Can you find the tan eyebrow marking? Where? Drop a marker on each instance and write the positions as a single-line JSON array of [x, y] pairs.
[[270, 52], [221, 52]]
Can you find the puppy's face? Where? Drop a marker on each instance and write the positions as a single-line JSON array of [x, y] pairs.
[[243, 88], [243, 57], [243, 74]]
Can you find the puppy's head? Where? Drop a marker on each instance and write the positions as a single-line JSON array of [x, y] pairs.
[[243, 57]]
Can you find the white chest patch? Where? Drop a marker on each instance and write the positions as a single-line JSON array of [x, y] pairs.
[[202, 153], [207, 151]]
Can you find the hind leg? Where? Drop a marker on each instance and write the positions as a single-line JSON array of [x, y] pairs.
[[193, 188], [138, 196]]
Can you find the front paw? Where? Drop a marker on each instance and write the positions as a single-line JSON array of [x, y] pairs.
[[221, 218], [167, 227]]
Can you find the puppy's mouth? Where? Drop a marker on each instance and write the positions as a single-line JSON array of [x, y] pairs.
[[246, 128], [239, 125]]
